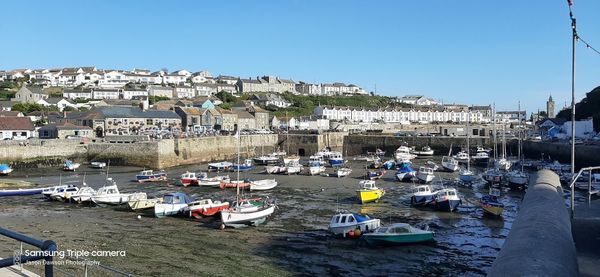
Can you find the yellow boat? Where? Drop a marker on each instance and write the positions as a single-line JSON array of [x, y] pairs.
[[368, 192]]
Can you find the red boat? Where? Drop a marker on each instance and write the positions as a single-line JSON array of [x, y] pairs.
[[205, 207], [234, 184]]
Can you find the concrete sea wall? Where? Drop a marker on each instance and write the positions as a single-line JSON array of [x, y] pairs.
[[35, 152], [585, 155]]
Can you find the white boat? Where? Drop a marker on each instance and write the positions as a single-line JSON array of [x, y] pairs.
[[517, 178], [172, 204], [461, 157], [5, 169], [291, 159], [325, 153], [315, 169], [449, 164], [84, 194], [266, 160], [343, 172], [480, 158], [215, 181], [336, 159], [447, 200], [403, 154], [425, 151], [64, 194], [466, 175], [293, 167], [220, 166], [265, 184], [425, 174], [98, 165], [366, 158], [275, 169], [244, 212], [139, 201], [343, 223], [503, 164], [422, 195], [433, 165], [70, 165], [316, 159], [47, 192], [110, 195]]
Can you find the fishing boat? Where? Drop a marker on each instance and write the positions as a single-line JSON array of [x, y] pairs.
[[139, 201], [234, 184], [374, 175], [517, 179], [422, 195], [490, 203], [172, 204], [389, 164], [245, 212], [266, 160], [316, 159], [480, 158], [466, 175], [220, 166], [275, 169], [425, 174], [110, 195], [70, 165], [461, 157], [431, 164], [493, 176], [481, 149], [405, 172], [325, 153], [425, 151], [293, 167], [446, 200], [403, 153], [369, 192], [205, 207], [449, 164], [503, 164], [315, 168], [98, 165], [378, 152], [246, 166], [366, 158], [5, 169], [343, 172], [188, 178], [215, 181], [376, 164], [265, 184], [84, 194], [398, 233], [291, 159], [47, 192], [64, 194], [342, 223], [336, 159], [151, 176], [21, 192]]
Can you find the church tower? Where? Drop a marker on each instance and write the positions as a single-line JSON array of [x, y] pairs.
[[550, 107]]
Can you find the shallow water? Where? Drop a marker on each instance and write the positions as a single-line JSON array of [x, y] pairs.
[[294, 241]]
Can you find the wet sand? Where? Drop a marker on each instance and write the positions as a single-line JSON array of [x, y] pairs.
[[293, 241]]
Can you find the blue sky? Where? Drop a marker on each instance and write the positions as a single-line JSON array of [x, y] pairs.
[[469, 51]]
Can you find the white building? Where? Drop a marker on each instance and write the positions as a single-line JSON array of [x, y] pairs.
[[184, 92], [77, 93], [309, 89], [129, 93], [206, 89], [160, 91], [105, 93], [61, 103], [583, 128], [16, 128], [355, 114], [113, 79], [418, 100]]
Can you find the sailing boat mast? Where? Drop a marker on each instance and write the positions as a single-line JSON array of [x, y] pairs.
[[287, 134], [468, 136], [494, 132], [237, 194], [503, 141], [519, 132]]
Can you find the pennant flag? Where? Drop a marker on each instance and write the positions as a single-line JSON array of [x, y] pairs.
[[570, 2]]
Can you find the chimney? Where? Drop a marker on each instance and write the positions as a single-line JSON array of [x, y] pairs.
[[64, 114]]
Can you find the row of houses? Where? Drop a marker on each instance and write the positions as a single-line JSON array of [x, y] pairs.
[[450, 113]]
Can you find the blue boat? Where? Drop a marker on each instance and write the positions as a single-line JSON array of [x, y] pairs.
[[336, 159], [246, 166], [405, 172], [151, 176], [172, 204], [5, 169], [390, 164], [20, 192], [372, 175], [447, 200], [422, 196]]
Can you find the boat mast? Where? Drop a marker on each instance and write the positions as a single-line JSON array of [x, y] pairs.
[[237, 194], [468, 136], [287, 135], [503, 141], [494, 133], [519, 132]]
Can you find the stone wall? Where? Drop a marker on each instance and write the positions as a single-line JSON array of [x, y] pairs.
[[30, 153], [308, 144], [585, 155]]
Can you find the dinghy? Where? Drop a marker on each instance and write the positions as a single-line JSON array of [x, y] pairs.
[[171, 204], [344, 222], [265, 184], [398, 233], [205, 207], [151, 176]]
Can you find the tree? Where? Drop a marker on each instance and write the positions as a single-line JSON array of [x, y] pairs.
[[226, 97], [69, 109], [27, 107], [225, 106]]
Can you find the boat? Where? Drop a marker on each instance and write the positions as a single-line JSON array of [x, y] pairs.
[[278, 153], [466, 175], [64, 194], [344, 222], [266, 160], [490, 203], [376, 164], [98, 165], [172, 204], [389, 164], [220, 166], [449, 164], [291, 159], [21, 192], [246, 166], [461, 157], [403, 153], [188, 178], [110, 195], [70, 165], [503, 164], [493, 176], [366, 158], [316, 159], [343, 172], [425, 151], [480, 158], [398, 233], [373, 175], [405, 172], [446, 200], [5, 169], [517, 179], [275, 169], [431, 164], [336, 159], [325, 153], [215, 181], [47, 192], [369, 192], [293, 167], [84, 194], [481, 149], [422, 195], [234, 184], [265, 184], [139, 201], [205, 207], [425, 174], [378, 152], [315, 168], [151, 176], [245, 212]]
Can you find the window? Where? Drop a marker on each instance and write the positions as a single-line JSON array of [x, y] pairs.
[[350, 219], [149, 121], [343, 219]]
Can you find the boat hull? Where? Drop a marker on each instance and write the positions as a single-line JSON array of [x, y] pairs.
[[405, 176], [447, 205], [151, 178], [374, 239], [365, 226], [110, 199], [200, 212], [20, 192], [162, 210], [244, 219], [366, 196], [467, 178], [336, 162], [425, 178], [421, 200]]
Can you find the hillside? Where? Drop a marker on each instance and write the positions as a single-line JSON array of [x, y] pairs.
[[587, 107]]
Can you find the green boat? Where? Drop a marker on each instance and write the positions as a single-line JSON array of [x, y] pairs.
[[398, 233]]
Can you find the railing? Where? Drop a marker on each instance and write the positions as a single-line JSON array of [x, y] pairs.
[[572, 186], [46, 246]]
